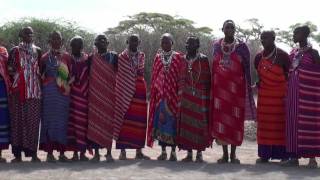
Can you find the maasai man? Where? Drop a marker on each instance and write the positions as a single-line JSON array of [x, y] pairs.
[[272, 65], [302, 123], [25, 94], [164, 97], [131, 105], [78, 118], [230, 86], [193, 125], [56, 79], [5, 83], [102, 82]]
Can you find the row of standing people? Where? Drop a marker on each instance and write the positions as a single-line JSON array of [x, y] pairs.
[[189, 106]]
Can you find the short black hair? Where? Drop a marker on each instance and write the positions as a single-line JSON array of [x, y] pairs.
[[23, 30], [53, 33], [167, 35], [305, 30], [76, 38], [228, 21], [269, 32], [196, 38], [133, 35]]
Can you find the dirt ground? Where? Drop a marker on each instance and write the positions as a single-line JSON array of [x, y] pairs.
[[158, 170]]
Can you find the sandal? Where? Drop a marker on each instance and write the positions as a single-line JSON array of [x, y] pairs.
[[173, 156], [50, 158], [162, 157], [16, 160], [199, 158], [35, 159], [188, 158], [123, 155], [83, 157], [140, 155], [223, 160], [75, 157], [312, 163], [96, 158], [63, 158], [109, 158], [290, 163], [262, 161]]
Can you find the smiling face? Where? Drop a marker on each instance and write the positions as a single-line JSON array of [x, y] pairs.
[[229, 29]]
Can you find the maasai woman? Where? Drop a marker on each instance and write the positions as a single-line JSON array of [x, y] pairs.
[[302, 123], [25, 93], [164, 97], [272, 65], [131, 105], [193, 126], [231, 85], [55, 69], [102, 82], [78, 117], [5, 83]]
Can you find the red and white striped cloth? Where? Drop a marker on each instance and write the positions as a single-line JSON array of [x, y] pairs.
[[165, 85], [125, 87]]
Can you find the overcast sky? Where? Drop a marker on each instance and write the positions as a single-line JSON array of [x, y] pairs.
[[98, 15]]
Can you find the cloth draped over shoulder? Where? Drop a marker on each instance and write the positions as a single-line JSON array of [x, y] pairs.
[[165, 86], [232, 99], [125, 87]]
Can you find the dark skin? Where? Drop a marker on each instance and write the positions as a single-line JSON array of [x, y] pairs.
[[76, 47], [56, 41], [166, 43], [229, 30], [101, 42], [192, 47], [133, 42], [301, 38], [26, 35], [267, 41]]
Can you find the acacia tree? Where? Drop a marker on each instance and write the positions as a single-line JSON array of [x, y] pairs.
[[285, 36], [42, 27], [251, 36], [150, 26]]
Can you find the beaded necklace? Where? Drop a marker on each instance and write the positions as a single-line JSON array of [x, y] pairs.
[[166, 59], [226, 50], [273, 54], [298, 56], [134, 61], [192, 74]]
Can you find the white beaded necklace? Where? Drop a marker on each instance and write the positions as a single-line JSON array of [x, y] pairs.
[[166, 59], [273, 54], [226, 61], [134, 61], [298, 56]]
